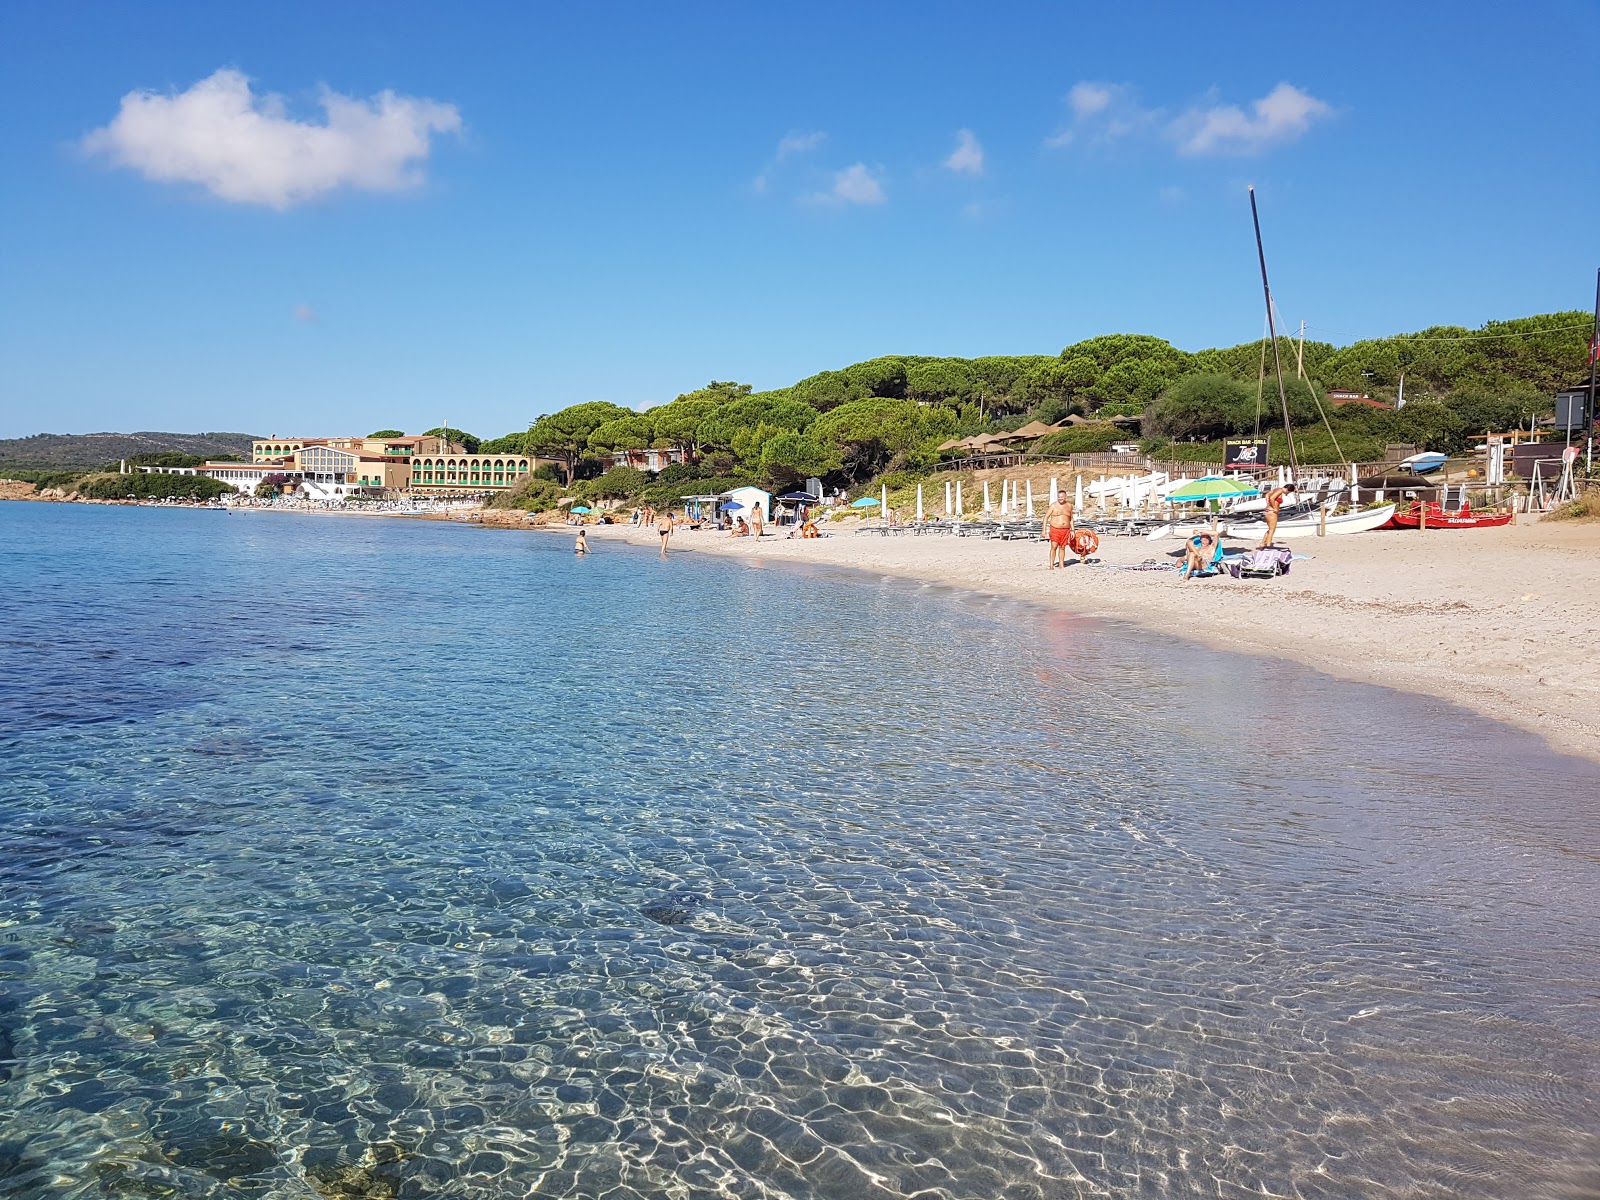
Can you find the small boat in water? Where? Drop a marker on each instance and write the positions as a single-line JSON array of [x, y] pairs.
[[1438, 518]]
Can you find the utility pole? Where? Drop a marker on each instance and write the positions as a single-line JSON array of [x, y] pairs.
[[1300, 354]]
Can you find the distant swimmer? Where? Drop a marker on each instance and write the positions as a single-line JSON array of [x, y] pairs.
[[1275, 499], [1058, 521], [582, 544]]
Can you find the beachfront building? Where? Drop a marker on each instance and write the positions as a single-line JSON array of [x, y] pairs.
[[455, 473], [242, 477], [654, 459], [283, 450], [333, 471]]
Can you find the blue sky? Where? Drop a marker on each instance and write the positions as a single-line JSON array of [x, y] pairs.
[[622, 202]]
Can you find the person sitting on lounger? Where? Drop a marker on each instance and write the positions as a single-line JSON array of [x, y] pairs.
[[1204, 554]]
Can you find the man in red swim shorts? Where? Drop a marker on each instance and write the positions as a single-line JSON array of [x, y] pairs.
[[1058, 524]]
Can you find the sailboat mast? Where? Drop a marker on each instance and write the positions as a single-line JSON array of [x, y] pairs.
[[1594, 359], [1272, 331]]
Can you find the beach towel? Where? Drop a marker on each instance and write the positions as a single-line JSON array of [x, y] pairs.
[[1261, 564]]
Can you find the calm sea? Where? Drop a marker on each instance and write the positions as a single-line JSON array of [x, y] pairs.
[[364, 857]]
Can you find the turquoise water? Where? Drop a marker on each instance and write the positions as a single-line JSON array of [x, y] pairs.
[[387, 858]]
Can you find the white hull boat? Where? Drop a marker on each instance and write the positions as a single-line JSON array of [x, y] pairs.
[[1360, 521]]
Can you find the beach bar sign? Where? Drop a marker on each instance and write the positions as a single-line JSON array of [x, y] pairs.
[[1245, 454]]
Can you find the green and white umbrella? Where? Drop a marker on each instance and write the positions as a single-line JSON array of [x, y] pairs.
[[1211, 489]]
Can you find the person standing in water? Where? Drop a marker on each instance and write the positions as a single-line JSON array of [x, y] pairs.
[[1058, 525], [664, 525], [581, 546], [1275, 499]]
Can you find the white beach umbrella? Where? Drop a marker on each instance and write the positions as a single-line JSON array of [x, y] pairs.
[[1077, 493], [985, 495], [1054, 487], [958, 498], [919, 502], [1030, 498], [947, 509], [883, 511]]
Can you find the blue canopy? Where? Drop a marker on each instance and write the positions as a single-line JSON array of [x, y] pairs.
[[864, 502]]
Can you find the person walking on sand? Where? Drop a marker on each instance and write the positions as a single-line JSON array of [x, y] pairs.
[[664, 524], [1058, 524], [1275, 499], [755, 519]]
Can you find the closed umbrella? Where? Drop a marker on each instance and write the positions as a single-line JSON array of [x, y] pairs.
[[958, 498], [1077, 494], [985, 495], [1030, 498], [919, 502], [947, 509], [884, 510], [1053, 490]]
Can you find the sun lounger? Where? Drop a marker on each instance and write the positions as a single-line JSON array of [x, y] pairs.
[[1261, 564]]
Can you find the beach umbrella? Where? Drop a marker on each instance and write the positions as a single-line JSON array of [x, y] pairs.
[[1030, 498], [947, 509], [1077, 493], [985, 495], [581, 509], [865, 502], [1212, 489], [919, 502], [1052, 497], [958, 498], [885, 509]]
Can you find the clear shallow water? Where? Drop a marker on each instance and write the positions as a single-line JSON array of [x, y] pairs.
[[365, 857]]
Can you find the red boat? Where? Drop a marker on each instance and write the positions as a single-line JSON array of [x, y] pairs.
[[1438, 518]]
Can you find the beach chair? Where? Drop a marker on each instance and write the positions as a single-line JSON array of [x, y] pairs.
[[1261, 564], [1214, 565]]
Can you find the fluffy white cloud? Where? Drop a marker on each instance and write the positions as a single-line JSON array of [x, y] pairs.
[[854, 185], [1105, 113], [1087, 99], [246, 149], [799, 143], [304, 312], [967, 158], [1282, 115]]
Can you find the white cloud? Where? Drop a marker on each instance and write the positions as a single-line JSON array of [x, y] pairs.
[[245, 149], [1087, 99], [1282, 115], [967, 158], [304, 312], [799, 143], [853, 185], [1105, 113]]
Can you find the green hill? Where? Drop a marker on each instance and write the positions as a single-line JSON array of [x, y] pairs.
[[90, 451]]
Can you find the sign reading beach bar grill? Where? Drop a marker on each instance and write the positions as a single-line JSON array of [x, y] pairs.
[[1245, 454]]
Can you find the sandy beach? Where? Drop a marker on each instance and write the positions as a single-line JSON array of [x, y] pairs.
[[1500, 621]]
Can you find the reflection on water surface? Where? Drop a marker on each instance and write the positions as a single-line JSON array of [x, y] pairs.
[[386, 859]]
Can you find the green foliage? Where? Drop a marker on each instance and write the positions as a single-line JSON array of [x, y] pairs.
[[1201, 406], [388, 433], [270, 486], [510, 443], [531, 495], [879, 377], [44, 479], [617, 483], [1097, 437], [472, 444], [152, 487], [564, 435]]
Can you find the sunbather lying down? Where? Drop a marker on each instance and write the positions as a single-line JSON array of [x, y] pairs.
[[1204, 555]]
